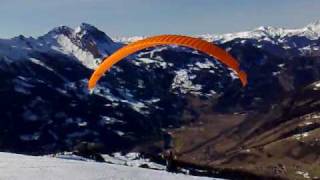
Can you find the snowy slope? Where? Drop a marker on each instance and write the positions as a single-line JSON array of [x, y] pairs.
[[18, 167]]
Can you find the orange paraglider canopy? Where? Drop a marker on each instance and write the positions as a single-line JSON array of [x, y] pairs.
[[191, 42]]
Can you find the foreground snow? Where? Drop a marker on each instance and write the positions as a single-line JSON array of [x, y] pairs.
[[14, 166]]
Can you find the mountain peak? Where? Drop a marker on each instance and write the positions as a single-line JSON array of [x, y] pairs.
[[65, 30], [270, 29], [19, 37], [85, 27], [315, 26], [88, 27], [89, 31], [265, 28]]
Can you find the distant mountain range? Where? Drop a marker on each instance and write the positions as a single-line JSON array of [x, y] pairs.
[[46, 107], [303, 39]]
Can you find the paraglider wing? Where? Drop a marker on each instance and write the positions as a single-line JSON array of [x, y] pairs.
[[195, 43]]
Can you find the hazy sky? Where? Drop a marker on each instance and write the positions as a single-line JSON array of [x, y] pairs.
[[147, 17]]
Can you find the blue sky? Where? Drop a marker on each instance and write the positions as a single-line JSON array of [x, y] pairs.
[[149, 17]]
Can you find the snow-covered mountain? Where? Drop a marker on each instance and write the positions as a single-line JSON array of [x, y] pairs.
[[46, 106], [311, 31], [86, 44], [303, 40], [299, 41]]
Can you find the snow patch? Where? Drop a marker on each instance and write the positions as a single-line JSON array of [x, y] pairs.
[[183, 83], [301, 136], [304, 174]]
